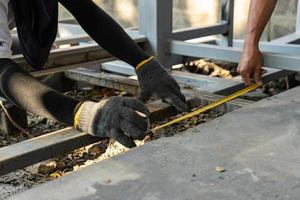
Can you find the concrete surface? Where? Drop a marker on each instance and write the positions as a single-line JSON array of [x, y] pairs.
[[259, 146], [7, 190]]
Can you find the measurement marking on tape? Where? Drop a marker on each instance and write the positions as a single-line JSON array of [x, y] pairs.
[[208, 107]]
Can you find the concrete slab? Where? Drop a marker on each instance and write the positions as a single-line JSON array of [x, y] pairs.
[[259, 146]]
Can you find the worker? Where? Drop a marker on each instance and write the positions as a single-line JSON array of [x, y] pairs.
[[250, 66], [120, 118]]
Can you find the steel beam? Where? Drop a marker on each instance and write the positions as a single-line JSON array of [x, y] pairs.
[[155, 22], [288, 49], [298, 18], [198, 82], [35, 150], [228, 16], [293, 38], [192, 33], [103, 79], [64, 58], [76, 39], [232, 55]]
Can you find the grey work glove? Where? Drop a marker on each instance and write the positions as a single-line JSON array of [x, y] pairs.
[[153, 78], [123, 119]]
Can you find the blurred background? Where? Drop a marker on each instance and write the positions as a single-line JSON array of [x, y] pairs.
[[195, 13]]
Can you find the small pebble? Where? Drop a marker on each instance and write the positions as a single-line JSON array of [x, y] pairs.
[[220, 169]]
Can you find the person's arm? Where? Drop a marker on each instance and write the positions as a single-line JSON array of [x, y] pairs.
[[116, 117], [250, 66], [152, 76]]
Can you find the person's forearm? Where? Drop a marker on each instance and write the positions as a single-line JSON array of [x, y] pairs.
[[28, 93], [105, 31], [259, 14]]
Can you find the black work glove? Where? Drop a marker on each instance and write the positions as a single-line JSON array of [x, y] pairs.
[[123, 119], [153, 78]]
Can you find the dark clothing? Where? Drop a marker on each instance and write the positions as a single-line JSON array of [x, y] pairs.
[[26, 92], [36, 21]]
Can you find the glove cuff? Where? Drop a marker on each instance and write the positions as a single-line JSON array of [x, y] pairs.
[[84, 119], [141, 64]]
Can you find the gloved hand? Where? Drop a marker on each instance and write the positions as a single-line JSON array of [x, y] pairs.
[[153, 78], [123, 119]]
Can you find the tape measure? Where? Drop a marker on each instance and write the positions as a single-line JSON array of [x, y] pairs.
[[208, 107]]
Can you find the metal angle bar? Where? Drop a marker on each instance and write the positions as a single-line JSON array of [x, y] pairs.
[[292, 38], [118, 67], [89, 64], [231, 54], [103, 79], [73, 40], [298, 17], [223, 86], [35, 150], [228, 16], [288, 49], [266, 78], [131, 85], [156, 24], [191, 33], [196, 81]]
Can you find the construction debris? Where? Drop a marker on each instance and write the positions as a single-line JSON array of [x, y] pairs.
[[206, 67]]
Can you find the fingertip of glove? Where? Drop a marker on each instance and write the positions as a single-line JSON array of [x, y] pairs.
[[130, 144], [184, 108]]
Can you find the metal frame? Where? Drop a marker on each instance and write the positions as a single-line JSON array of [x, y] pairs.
[[156, 25]]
